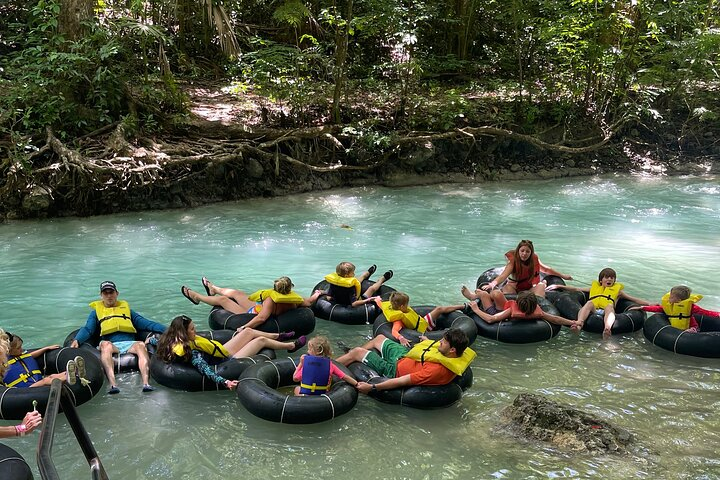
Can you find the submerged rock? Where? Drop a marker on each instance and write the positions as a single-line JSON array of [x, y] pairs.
[[535, 417]]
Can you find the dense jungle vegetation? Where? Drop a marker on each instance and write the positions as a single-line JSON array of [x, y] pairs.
[[98, 94]]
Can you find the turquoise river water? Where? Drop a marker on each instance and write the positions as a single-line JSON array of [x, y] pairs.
[[656, 232]]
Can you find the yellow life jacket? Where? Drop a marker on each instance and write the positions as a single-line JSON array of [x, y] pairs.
[[410, 318], [345, 282], [427, 351], [679, 313], [277, 297], [602, 296], [202, 344], [113, 319], [22, 371]]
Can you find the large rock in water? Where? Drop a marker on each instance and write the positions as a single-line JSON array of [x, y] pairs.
[[536, 417]]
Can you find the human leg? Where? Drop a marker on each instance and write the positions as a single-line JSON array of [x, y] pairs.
[[218, 301], [584, 312], [372, 289], [465, 291], [47, 380], [498, 299], [368, 273], [436, 312], [609, 320], [258, 343], [358, 353], [140, 350], [238, 295], [107, 349]]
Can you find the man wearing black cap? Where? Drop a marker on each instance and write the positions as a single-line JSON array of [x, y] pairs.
[[118, 326]]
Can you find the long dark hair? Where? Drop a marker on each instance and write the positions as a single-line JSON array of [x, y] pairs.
[[176, 334], [529, 263]]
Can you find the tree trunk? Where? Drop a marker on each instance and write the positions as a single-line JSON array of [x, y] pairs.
[[341, 48], [72, 15]]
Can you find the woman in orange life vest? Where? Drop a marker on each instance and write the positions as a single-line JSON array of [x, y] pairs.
[[265, 303], [603, 296], [33, 419], [523, 271], [315, 370], [524, 307]]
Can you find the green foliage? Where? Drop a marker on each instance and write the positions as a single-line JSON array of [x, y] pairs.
[[70, 86], [292, 12], [286, 74], [76, 87]]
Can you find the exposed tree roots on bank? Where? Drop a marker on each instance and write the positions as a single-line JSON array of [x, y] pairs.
[[188, 166]]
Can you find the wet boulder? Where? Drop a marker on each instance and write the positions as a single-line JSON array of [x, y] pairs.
[[565, 427]]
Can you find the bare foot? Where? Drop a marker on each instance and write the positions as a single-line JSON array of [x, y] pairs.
[[467, 294], [607, 333]]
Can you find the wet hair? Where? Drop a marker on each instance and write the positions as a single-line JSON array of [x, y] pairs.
[[345, 269], [176, 334], [606, 272], [457, 340], [4, 349], [283, 285], [681, 292], [519, 264], [526, 302], [399, 299], [320, 345]]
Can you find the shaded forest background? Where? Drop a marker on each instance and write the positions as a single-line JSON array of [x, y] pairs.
[[102, 101]]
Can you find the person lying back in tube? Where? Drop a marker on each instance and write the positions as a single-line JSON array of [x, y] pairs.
[[430, 362], [264, 303]]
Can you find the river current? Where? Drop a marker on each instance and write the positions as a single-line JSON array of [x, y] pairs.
[[655, 232]]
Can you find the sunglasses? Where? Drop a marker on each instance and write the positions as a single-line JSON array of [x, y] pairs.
[[12, 337]]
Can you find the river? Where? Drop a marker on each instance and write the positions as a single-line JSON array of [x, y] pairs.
[[656, 232]]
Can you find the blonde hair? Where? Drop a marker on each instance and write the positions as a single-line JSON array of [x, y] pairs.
[[399, 299], [4, 349], [320, 345], [681, 292], [283, 285], [345, 269]]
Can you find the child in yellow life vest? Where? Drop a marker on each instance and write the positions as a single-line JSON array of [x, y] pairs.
[[603, 295], [22, 369], [315, 370], [679, 306], [345, 289], [397, 310]]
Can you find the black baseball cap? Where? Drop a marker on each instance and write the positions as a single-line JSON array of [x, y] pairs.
[[108, 285]]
